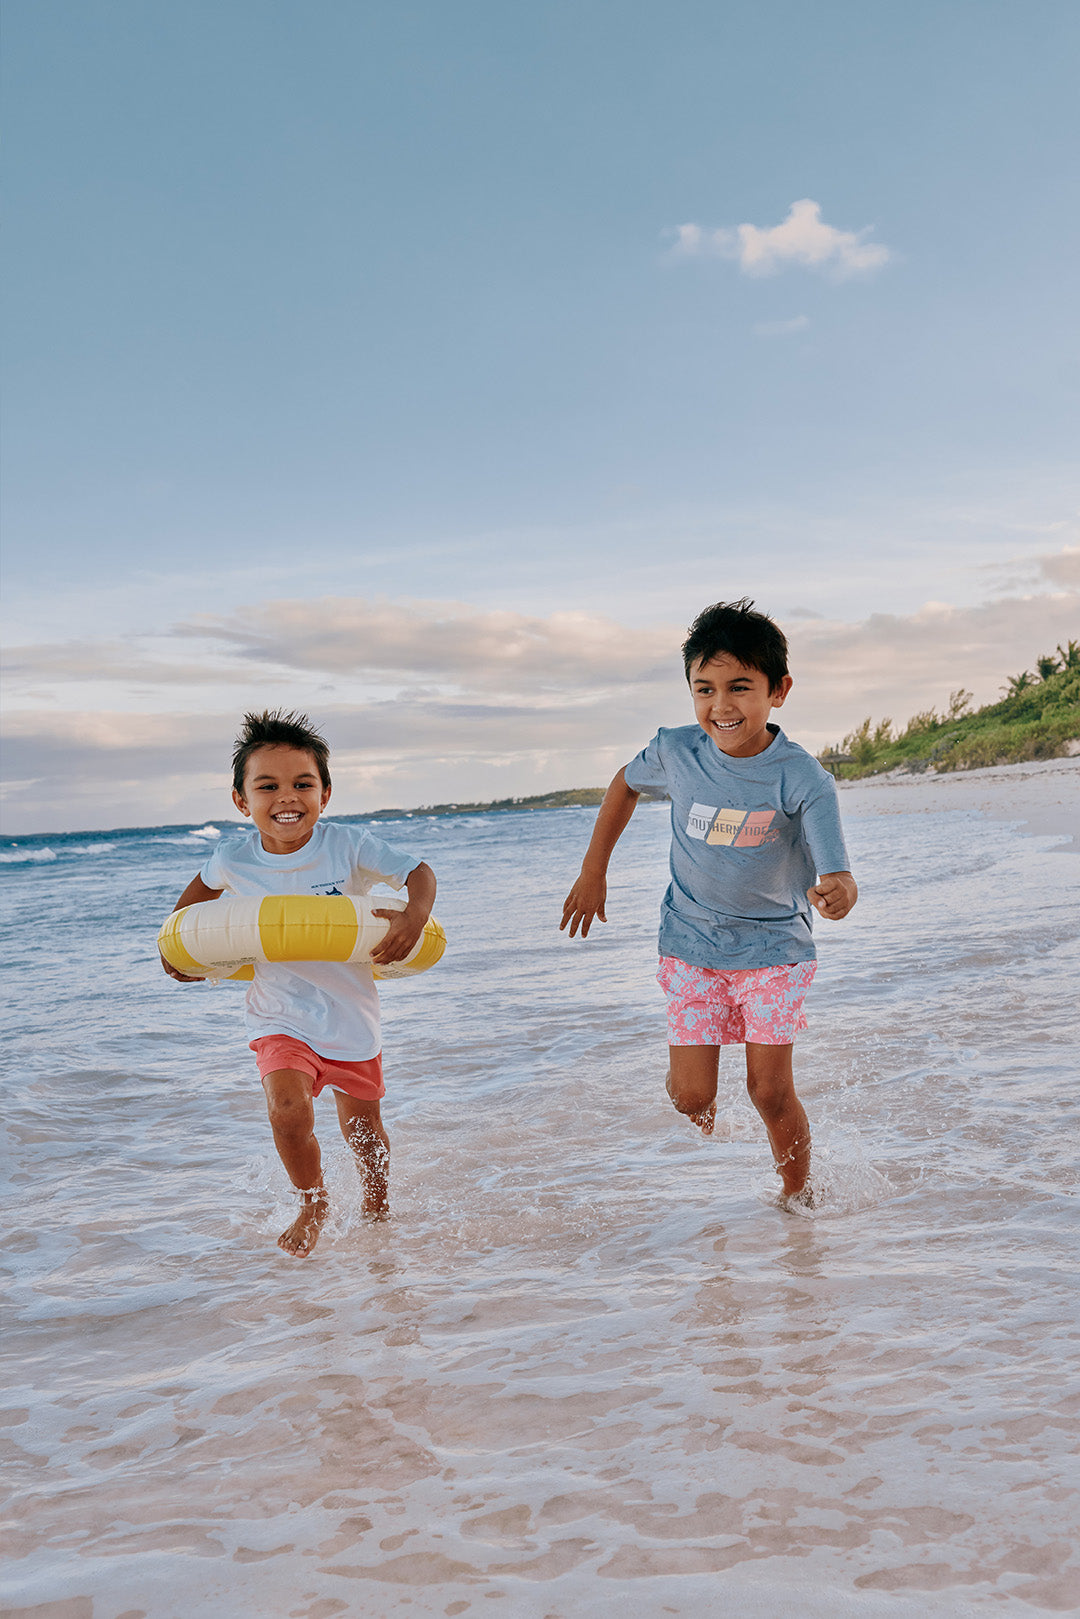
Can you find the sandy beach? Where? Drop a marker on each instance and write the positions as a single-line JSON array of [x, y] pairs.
[[1043, 797]]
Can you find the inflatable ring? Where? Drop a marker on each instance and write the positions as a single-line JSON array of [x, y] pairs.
[[222, 938]]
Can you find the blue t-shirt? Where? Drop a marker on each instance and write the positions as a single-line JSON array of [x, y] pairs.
[[748, 838]]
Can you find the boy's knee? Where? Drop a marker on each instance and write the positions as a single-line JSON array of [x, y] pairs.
[[291, 1116], [769, 1093], [687, 1096]]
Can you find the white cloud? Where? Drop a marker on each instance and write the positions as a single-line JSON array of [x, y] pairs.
[[802, 238], [457, 644], [896, 666], [781, 328], [1063, 568], [434, 701]]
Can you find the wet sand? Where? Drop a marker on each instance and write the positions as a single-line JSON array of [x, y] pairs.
[[1042, 796]]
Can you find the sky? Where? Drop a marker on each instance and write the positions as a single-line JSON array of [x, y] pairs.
[[427, 366]]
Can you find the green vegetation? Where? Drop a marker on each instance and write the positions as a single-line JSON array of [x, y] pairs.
[[560, 800], [1037, 718]]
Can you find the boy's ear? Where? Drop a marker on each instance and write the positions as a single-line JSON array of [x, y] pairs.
[[780, 691], [325, 797], [239, 802]]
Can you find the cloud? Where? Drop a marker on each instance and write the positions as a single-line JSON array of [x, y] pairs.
[[896, 666], [802, 238], [449, 641], [1063, 568], [426, 702], [781, 328], [374, 644]]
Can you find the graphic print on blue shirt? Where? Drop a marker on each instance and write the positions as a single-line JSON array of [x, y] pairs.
[[746, 829]]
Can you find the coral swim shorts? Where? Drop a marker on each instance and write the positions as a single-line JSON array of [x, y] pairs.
[[360, 1079], [710, 1006]]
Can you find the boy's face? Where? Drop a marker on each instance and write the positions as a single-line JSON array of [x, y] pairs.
[[284, 796], [732, 704]]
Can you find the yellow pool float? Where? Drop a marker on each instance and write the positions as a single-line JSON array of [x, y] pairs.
[[223, 938]]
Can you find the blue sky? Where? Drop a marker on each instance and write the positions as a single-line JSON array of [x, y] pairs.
[[355, 360]]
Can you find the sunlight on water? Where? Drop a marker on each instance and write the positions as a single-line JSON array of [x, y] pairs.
[[592, 1365]]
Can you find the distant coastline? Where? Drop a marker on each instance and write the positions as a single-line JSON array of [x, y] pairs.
[[568, 798]]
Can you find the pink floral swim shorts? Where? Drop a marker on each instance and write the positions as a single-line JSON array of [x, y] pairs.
[[710, 1006]]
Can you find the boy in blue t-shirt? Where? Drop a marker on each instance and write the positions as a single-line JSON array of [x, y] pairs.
[[755, 843]]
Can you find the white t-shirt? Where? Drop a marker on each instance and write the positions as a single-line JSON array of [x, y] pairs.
[[333, 1006]]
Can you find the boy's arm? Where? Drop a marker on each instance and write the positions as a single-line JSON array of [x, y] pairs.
[[196, 893], [587, 897], [834, 893], [406, 926]]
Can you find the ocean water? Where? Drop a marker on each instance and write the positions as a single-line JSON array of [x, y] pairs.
[[591, 1366]]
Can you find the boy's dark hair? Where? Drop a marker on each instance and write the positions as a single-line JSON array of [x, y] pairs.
[[750, 638], [279, 728]]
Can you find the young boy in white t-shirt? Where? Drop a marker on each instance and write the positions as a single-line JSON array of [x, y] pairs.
[[312, 1023]]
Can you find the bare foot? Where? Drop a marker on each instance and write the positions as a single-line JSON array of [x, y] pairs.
[[797, 1187], [705, 1119], [804, 1198], [300, 1238]]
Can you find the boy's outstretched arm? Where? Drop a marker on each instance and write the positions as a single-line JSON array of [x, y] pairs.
[[585, 900], [834, 893], [195, 893], [406, 926]]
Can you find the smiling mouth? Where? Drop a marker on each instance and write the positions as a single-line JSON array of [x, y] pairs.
[[287, 817], [727, 725]]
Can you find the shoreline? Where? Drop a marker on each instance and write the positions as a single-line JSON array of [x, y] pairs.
[[1043, 794]]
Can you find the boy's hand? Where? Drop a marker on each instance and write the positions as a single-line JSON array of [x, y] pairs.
[[174, 972], [400, 937], [583, 904], [834, 894]]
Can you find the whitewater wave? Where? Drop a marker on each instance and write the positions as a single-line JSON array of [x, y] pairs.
[[43, 855]]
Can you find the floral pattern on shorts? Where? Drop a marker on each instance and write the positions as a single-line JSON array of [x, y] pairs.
[[711, 1006]]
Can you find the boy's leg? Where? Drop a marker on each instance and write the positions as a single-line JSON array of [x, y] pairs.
[[292, 1119], [362, 1126], [691, 1083], [771, 1085]]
